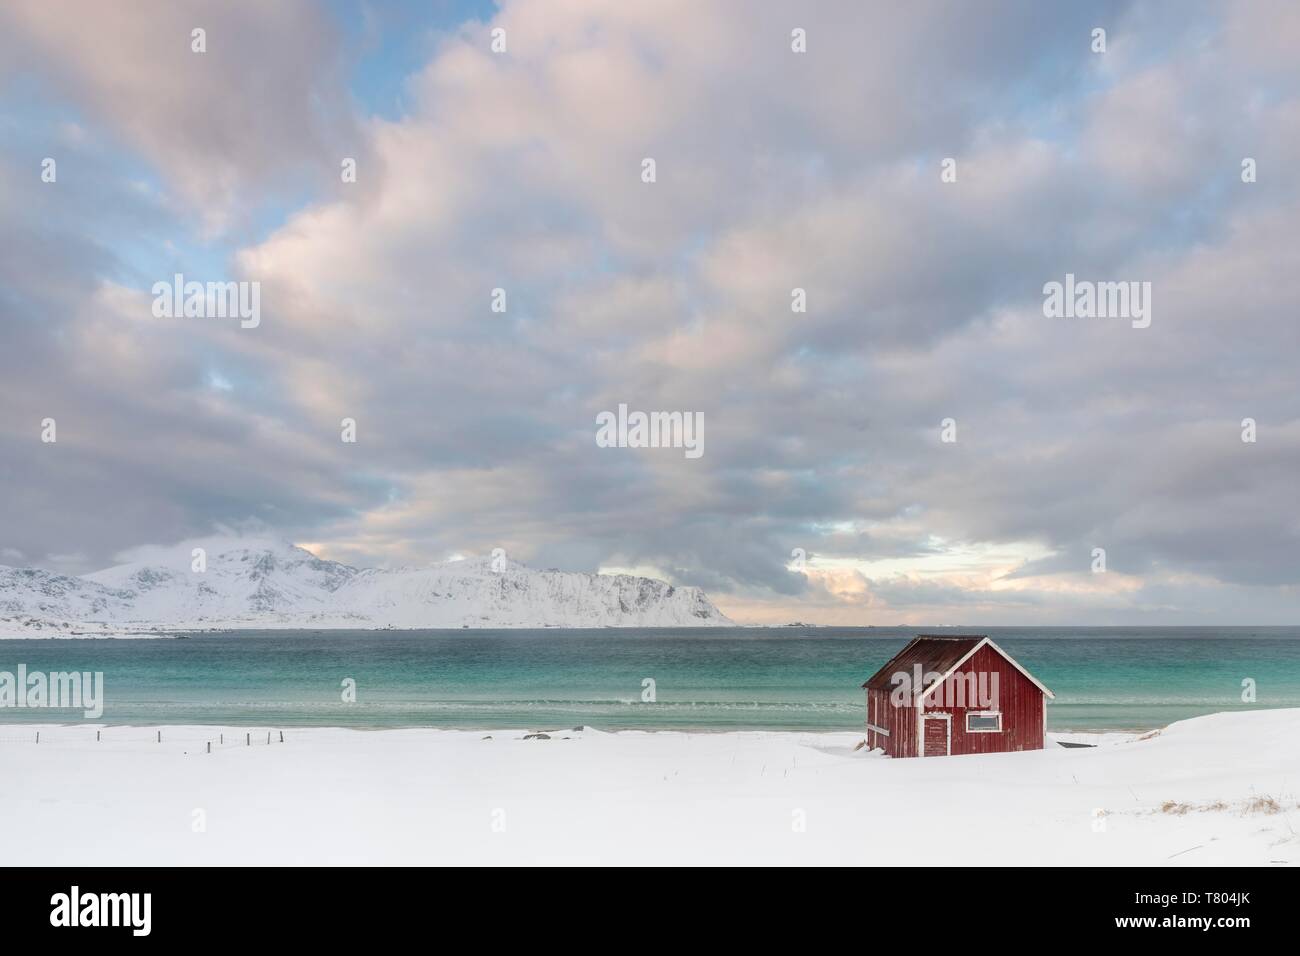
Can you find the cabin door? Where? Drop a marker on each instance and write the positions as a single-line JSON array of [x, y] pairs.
[[938, 735]]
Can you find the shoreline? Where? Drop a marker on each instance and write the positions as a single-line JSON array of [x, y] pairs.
[[1069, 736]]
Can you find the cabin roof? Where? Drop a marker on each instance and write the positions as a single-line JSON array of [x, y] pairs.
[[940, 654], [934, 654]]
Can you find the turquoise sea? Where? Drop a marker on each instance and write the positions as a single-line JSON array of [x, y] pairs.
[[789, 678]]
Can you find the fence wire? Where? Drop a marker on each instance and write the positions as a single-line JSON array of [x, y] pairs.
[[132, 738]]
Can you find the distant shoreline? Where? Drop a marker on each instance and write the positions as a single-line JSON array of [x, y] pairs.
[[1101, 632]]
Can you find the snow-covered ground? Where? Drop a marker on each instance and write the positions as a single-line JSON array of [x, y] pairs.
[[1215, 790]]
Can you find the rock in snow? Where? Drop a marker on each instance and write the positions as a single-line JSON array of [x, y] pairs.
[[277, 585]]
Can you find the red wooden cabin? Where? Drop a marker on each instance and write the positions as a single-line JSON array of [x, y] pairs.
[[959, 694]]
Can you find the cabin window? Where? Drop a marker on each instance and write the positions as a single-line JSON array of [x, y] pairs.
[[984, 722]]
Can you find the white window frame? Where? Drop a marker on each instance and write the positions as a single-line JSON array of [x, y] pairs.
[[983, 713]]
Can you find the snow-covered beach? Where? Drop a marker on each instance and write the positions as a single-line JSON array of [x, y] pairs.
[[1213, 790]]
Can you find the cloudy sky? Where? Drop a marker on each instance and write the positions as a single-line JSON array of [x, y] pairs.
[[522, 170]]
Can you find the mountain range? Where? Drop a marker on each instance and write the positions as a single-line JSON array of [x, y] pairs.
[[271, 584]]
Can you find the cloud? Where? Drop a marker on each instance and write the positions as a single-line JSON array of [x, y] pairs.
[[262, 104], [776, 170]]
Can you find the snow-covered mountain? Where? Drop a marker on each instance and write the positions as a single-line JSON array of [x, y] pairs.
[[265, 584], [43, 596]]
